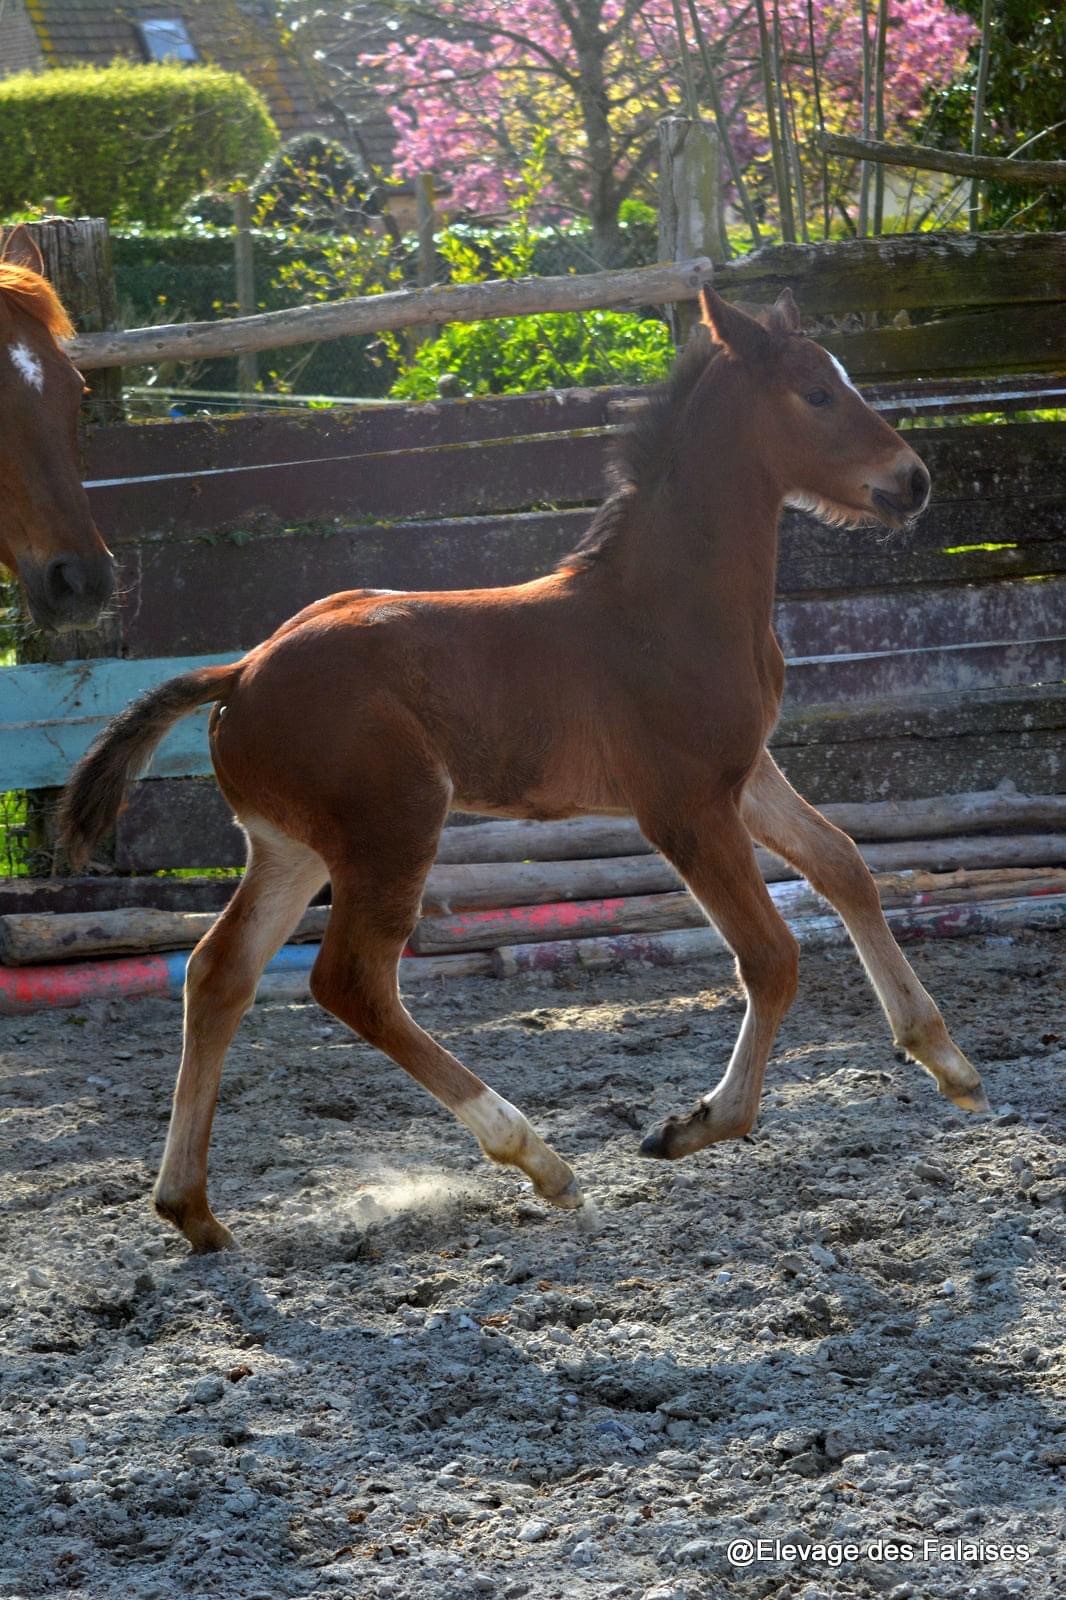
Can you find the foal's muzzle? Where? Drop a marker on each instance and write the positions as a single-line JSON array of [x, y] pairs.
[[908, 497]]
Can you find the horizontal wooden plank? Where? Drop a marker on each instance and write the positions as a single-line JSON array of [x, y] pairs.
[[935, 744], [876, 675], [185, 595], [259, 438], [50, 714], [1018, 339], [198, 444], [960, 614], [449, 480], [20, 896], [967, 465], [902, 272], [178, 822], [1002, 810]]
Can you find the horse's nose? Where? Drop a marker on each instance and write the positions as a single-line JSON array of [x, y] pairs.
[[65, 578], [75, 589]]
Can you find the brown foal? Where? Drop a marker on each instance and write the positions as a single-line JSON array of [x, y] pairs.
[[642, 676], [47, 535]]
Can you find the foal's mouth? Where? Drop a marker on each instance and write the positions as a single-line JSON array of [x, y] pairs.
[[891, 511]]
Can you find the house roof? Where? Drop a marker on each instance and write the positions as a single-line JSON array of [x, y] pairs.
[[240, 37]]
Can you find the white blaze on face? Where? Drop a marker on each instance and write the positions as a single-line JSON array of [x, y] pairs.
[[28, 365], [841, 372]]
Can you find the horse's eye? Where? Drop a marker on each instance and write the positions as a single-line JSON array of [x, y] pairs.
[[818, 397]]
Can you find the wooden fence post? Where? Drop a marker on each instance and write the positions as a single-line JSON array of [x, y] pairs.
[[244, 267], [77, 260], [690, 203], [426, 222]]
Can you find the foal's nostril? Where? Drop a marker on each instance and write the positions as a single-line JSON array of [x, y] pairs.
[[919, 485]]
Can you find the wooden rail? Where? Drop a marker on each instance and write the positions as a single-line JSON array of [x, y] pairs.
[[404, 308], [1002, 169], [1005, 294]]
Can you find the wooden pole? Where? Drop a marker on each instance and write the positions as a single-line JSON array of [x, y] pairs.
[[403, 308], [879, 110], [979, 110], [427, 244], [948, 816], [675, 946], [77, 261], [720, 122], [770, 68], [244, 265], [867, 84], [1004, 169], [690, 221]]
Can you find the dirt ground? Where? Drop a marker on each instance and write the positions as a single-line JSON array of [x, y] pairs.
[[414, 1381]]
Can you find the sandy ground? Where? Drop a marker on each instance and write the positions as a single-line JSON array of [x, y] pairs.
[[412, 1380]]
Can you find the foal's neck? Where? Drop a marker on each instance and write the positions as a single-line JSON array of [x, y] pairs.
[[704, 537]]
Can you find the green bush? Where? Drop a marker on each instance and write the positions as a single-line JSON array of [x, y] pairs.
[[558, 350], [188, 276], [129, 141]]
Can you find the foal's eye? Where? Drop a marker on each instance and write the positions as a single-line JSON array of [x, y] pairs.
[[818, 397]]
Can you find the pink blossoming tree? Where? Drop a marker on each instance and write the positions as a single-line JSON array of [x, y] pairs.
[[468, 82]]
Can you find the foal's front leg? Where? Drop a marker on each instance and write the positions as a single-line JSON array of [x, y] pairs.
[[220, 985], [781, 820], [712, 851]]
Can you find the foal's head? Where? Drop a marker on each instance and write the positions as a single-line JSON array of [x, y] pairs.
[[47, 535], [826, 450]]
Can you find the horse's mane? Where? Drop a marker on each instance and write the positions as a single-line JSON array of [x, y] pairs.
[[641, 454], [35, 295]]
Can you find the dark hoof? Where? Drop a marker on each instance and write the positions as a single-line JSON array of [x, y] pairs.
[[656, 1145]]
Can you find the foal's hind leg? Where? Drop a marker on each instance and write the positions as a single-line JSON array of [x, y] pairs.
[[713, 853], [373, 913], [778, 818], [220, 985]]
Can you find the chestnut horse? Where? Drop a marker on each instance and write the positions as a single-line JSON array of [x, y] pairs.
[[47, 534], [641, 676]]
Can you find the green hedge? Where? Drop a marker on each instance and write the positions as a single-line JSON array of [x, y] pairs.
[[189, 277], [129, 141]]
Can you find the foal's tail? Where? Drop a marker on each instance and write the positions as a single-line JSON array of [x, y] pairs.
[[96, 788]]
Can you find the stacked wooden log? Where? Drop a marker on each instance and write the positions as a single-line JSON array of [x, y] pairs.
[[506, 897]]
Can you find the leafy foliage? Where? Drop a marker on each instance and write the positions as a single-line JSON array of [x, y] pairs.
[[1026, 98], [558, 350], [318, 184], [129, 141]]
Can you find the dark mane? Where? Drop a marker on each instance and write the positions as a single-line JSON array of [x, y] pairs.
[[641, 454]]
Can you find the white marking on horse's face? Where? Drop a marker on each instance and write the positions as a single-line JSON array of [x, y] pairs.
[[842, 373], [28, 365]]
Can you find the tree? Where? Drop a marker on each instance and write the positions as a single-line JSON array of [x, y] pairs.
[[1025, 100], [467, 82]]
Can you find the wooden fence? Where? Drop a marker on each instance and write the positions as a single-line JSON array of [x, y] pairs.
[[924, 663]]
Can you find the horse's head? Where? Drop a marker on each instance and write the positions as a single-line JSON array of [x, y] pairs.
[[47, 535], [827, 450]]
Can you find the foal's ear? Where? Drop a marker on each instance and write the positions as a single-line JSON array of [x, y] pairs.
[[20, 250], [784, 315], [741, 335]]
